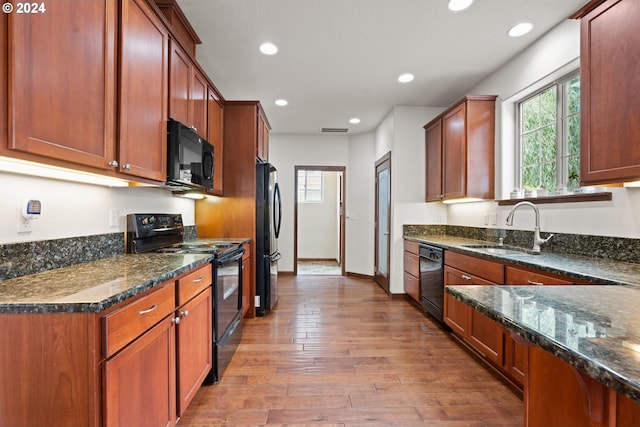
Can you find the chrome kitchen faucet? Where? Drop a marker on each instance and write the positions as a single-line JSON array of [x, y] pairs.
[[537, 240]]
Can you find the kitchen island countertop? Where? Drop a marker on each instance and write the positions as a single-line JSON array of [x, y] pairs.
[[591, 327], [93, 286]]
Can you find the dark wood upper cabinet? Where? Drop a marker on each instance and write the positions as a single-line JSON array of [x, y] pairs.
[[433, 141], [460, 151], [187, 91], [215, 135], [61, 86], [143, 92], [179, 84], [610, 91]]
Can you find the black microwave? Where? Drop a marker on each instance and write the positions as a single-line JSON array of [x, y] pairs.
[[189, 157]]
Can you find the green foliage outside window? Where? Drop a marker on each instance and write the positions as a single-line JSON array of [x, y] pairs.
[[550, 136]]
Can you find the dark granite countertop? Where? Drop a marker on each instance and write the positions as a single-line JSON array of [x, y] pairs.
[[585, 326], [93, 286], [591, 269]]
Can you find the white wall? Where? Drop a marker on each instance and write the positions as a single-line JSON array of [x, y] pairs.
[[408, 183], [552, 56], [288, 151], [318, 223], [71, 209], [360, 204]]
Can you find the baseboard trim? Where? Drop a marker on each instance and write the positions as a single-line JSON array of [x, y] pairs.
[[347, 274], [358, 275]]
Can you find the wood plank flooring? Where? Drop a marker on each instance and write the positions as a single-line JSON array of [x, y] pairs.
[[337, 351]]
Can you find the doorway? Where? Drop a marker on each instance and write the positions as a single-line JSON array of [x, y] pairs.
[[383, 222], [319, 220]]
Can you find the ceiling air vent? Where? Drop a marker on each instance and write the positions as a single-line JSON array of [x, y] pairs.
[[334, 130]]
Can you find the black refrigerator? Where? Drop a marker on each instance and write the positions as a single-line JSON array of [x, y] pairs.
[[268, 222]]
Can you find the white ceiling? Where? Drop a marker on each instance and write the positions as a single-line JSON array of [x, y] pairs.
[[339, 59]]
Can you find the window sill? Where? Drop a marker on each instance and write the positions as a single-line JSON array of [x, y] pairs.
[[565, 198]]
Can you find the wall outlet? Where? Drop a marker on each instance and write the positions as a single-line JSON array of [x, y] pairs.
[[257, 301], [494, 218], [24, 225], [486, 219]]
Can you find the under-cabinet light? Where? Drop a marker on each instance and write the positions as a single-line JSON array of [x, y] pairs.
[[462, 200], [633, 184], [191, 195], [24, 167]]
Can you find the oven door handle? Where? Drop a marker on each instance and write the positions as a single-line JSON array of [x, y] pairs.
[[236, 255]]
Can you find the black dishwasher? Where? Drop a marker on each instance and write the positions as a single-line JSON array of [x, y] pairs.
[[432, 280]]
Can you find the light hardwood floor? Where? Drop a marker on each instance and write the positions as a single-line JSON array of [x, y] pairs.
[[337, 351]]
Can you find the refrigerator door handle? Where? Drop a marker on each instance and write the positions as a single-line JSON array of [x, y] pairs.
[[274, 257], [277, 199]]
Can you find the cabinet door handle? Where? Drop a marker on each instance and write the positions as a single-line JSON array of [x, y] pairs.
[[531, 282], [175, 320], [465, 277], [113, 163], [198, 280], [126, 166], [149, 310], [185, 313]]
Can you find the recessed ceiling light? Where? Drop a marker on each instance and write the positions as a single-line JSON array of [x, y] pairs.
[[268, 48], [458, 5], [281, 102], [405, 78], [354, 120], [520, 29]]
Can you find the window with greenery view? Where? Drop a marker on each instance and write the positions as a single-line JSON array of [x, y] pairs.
[[549, 136], [309, 186]]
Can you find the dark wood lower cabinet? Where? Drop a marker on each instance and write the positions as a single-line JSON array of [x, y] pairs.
[[514, 359], [139, 363], [557, 395], [194, 347], [487, 337], [139, 382]]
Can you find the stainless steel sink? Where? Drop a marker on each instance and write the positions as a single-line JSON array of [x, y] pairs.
[[500, 250]]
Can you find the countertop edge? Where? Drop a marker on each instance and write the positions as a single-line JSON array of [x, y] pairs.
[[96, 307]]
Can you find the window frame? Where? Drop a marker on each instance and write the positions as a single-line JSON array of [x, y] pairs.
[[303, 182], [561, 128]]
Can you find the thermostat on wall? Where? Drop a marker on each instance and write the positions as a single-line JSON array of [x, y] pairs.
[[32, 209]]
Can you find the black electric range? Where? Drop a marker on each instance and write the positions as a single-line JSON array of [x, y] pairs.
[[164, 233]]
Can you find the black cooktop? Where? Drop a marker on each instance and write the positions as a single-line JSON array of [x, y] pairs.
[[200, 247]]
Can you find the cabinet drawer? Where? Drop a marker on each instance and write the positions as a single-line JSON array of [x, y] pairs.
[[195, 282], [412, 247], [518, 276], [412, 286], [489, 270], [127, 323], [412, 264]]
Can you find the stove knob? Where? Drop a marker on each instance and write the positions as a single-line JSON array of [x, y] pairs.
[[152, 220]]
